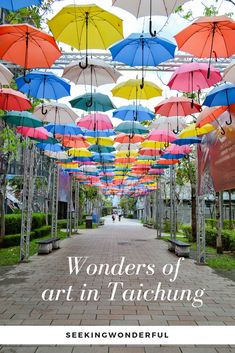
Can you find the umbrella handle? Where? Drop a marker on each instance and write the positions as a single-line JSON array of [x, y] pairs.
[[230, 120], [142, 83], [222, 131], [151, 32], [44, 112], [83, 67], [89, 103], [176, 131], [25, 79]]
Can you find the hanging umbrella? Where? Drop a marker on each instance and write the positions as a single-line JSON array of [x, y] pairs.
[[24, 118], [141, 49], [192, 77], [152, 152], [141, 8], [208, 115], [129, 139], [40, 84], [66, 129], [127, 147], [37, 133], [174, 149], [229, 73], [187, 141], [27, 46], [74, 141], [208, 37], [177, 106], [5, 75], [133, 112], [222, 95], [103, 141], [171, 123], [95, 122], [50, 147], [161, 136], [192, 130], [99, 133], [130, 90], [60, 156], [101, 149], [131, 127], [13, 100], [14, 5], [56, 113], [79, 152], [95, 102], [86, 27]]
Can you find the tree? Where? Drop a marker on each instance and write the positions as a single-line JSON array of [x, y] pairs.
[[127, 203]]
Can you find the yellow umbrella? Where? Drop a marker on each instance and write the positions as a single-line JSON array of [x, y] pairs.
[[103, 141], [153, 144], [86, 26], [192, 130], [131, 90], [79, 152]]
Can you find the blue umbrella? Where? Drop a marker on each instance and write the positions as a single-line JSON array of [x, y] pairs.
[[50, 147], [14, 5], [141, 49], [134, 112], [99, 133], [101, 149], [221, 95], [187, 141], [65, 129], [40, 84], [173, 156]]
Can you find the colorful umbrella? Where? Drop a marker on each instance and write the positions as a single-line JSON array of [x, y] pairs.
[[171, 123], [187, 141], [209, 114], [65, 129], [130, 90], [5, 75], [13, 100], [125, 138], [86, 26], [56, 113], [74, 141], [161, 136], [14, 5], [192, 130], [24, 118], [131, 127], [79, 152], [103, 141], [27, 46], [229, 73], [133, 112], [208, 37], [95, 102], [101, 149], [36, 133], [95, 122], [141, 49], [193, 77]]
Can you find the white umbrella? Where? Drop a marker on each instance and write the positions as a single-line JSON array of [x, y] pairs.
[[229, 73], [127, 146], [96, 74], [56, 113], [168, 123], [5, 75], [56, 155]]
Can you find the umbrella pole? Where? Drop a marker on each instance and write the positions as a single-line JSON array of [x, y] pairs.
[[43, 111], [90, 102], [142, 48], [230, 116], [211, 50], [86, 59], [151, 32], [26, 58]]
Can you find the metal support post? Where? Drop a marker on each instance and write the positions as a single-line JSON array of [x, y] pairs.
[[76, 211], [159, 207], [69, 209], [54, 208], [200, 204], [172, 202], [28, 184]]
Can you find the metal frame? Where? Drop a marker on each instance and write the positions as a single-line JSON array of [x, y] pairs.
[[69, 209], [54, 207], [173, 220], [76, 211]]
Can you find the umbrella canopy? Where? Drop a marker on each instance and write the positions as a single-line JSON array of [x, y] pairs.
[[187, 141], [79, 152], [141, 49], [5, 75], [95, 122], [161, 136], [129, 139], [27, 46], [208, 37], [74, 141], [193, 131], [131, 90], [150, 152], [103, 141], [37, 133], [22, 119], [168, 123], [174, 149], [99, 133], [13, 100], [131, 127], [229, 73], [193, 77], [68, 129], [49, 147], [133, 112], [56, 113], [127, 147], [14, 5], [97, 73], [209, 114], [221, 95], [93, 102], [86, 26], [101, 149], [40, 84]]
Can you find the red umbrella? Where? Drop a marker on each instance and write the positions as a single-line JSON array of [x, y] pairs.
[[150, 152], [177, 106], [95, 122], [37, 133], [193, 77], [13, 100], [161, 136], [27, 46]]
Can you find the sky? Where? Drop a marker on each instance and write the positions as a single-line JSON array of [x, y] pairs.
[[174, 24]]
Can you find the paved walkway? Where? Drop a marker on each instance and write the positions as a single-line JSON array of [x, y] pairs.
[[22, 286]]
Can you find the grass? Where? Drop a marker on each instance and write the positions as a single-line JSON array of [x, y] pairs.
[[10, 256], [222, 262]]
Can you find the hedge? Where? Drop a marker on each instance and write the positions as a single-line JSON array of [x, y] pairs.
[[14, 239], [13, 222], [211, 222], [228, 236]]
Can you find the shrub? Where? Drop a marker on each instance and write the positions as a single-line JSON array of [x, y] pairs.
[[14, 239], [13, 222], [211, 222], [62, 223], [166, 226], [187, 230]]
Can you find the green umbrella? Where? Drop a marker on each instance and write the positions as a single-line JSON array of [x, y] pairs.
[[22, 119], [101, 149], [131, 127], [50, 140], [100, 102]]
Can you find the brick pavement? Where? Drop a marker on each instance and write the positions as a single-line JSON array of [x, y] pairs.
[[22, 286]]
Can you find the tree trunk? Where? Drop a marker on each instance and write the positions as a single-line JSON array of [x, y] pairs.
[[193, 211], [230, 209], [218, 204]]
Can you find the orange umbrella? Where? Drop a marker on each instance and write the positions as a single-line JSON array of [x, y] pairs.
[[73, 141], [27, 46], [208, 37], [209, 114], [11, 99], [167, 161], [125, 138]]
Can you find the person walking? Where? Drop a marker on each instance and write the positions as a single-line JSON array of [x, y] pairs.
[[119, 216], [113, 217]]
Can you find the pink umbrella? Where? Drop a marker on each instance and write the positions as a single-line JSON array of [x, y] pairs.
[[174, 149], [161, 136], [149, 152], [11, 99], [193, 77], [96, 121], [37, 133], [154, 171]]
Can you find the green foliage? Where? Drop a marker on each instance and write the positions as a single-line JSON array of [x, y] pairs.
[[222, 262], [10, 143], [14, 240], [13, 222], [166, 226], [127, 204], [211, 222], [186, 172]]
